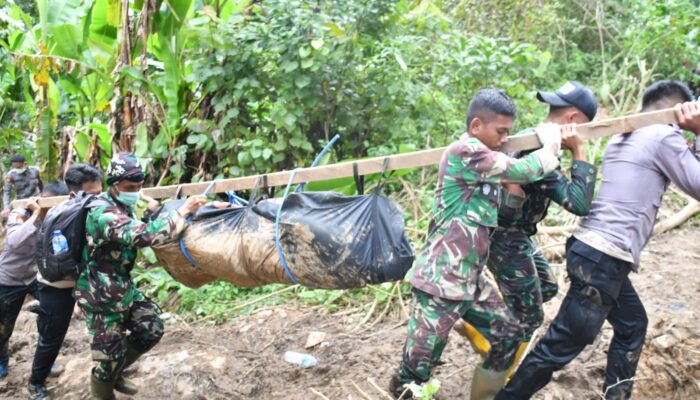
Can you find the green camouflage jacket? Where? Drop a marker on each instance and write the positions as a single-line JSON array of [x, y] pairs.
[[113, 237], [466, 208], [522, 214]]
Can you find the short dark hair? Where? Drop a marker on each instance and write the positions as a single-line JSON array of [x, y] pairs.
[[55, 188], [666, 89], [488, 103], [79, 174], [18, 158]]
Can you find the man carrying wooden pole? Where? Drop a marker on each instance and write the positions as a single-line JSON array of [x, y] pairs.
[[447, 276], [637, 169], [522, 273]]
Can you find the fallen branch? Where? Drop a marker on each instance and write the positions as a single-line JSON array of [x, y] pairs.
[[692, 208], [380, 390], [605, 394], [385, 311], [453, 373], [362, 393], [319, 394], [368, 316]]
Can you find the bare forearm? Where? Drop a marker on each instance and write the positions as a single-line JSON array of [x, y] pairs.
[[579, 153]]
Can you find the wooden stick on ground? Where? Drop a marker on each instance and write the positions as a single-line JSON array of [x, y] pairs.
[[319, 394], [692, 208], [362, 393], [397, 161], [380, 390]]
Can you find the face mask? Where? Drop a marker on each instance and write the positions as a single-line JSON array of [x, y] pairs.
[[129, 198], [19, 170]]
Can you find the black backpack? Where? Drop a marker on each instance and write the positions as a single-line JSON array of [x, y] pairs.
[[68, 217]]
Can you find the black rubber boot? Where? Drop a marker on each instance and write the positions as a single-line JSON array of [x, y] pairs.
[[123, 385], [397, 390]]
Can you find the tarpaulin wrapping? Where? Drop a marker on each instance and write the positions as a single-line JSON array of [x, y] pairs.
[[329, 241]]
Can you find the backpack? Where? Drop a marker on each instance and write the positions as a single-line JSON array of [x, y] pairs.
[[68, 217]]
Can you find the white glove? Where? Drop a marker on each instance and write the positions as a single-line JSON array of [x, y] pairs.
[[549, 135]]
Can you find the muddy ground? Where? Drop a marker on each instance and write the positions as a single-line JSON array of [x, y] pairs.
[[243, 359]]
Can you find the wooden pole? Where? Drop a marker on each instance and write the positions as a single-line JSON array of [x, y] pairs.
[[397, 161]]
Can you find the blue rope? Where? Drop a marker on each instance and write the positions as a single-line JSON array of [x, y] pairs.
[[319, 157], [233, 198], [183, 249], [278, 216], [280, 253]]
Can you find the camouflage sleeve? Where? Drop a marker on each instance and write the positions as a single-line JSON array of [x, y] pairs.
[[574, 195], [496, 167], [6, 189], [120, 228]]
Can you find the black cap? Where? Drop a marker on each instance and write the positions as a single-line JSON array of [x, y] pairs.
[[572, 94], [18, 158]]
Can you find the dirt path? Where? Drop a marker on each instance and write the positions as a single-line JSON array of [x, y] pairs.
[[243, 359]]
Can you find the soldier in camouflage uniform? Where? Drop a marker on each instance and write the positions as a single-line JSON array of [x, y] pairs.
[[522, 273], [447, 275], [26, 181], [104, 289]]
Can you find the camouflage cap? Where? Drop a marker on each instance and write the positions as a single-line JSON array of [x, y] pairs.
[[124, 165]]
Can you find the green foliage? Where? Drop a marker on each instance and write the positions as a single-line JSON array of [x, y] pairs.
[[425, 391], [228, 88], [237, 87], [216, 299]]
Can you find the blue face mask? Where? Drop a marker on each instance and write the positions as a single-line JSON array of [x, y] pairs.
[[129, 198]]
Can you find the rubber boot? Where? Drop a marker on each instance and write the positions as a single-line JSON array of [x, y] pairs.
[[479, 343], [518, 356], [101, 390], [396, 388], [123, 385], [126, 386], [486, 383]]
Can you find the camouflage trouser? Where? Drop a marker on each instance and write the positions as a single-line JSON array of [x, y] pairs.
[[109, 339], [524, 277], [432, 320]]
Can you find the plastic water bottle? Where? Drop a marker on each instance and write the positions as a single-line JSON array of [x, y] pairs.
[[303, 360], [59, 242]]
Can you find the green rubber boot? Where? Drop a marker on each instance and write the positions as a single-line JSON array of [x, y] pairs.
[[123, 385], [486, 383], [101, 390]]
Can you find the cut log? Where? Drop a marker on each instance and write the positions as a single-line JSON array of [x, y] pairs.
[[687, 212]]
